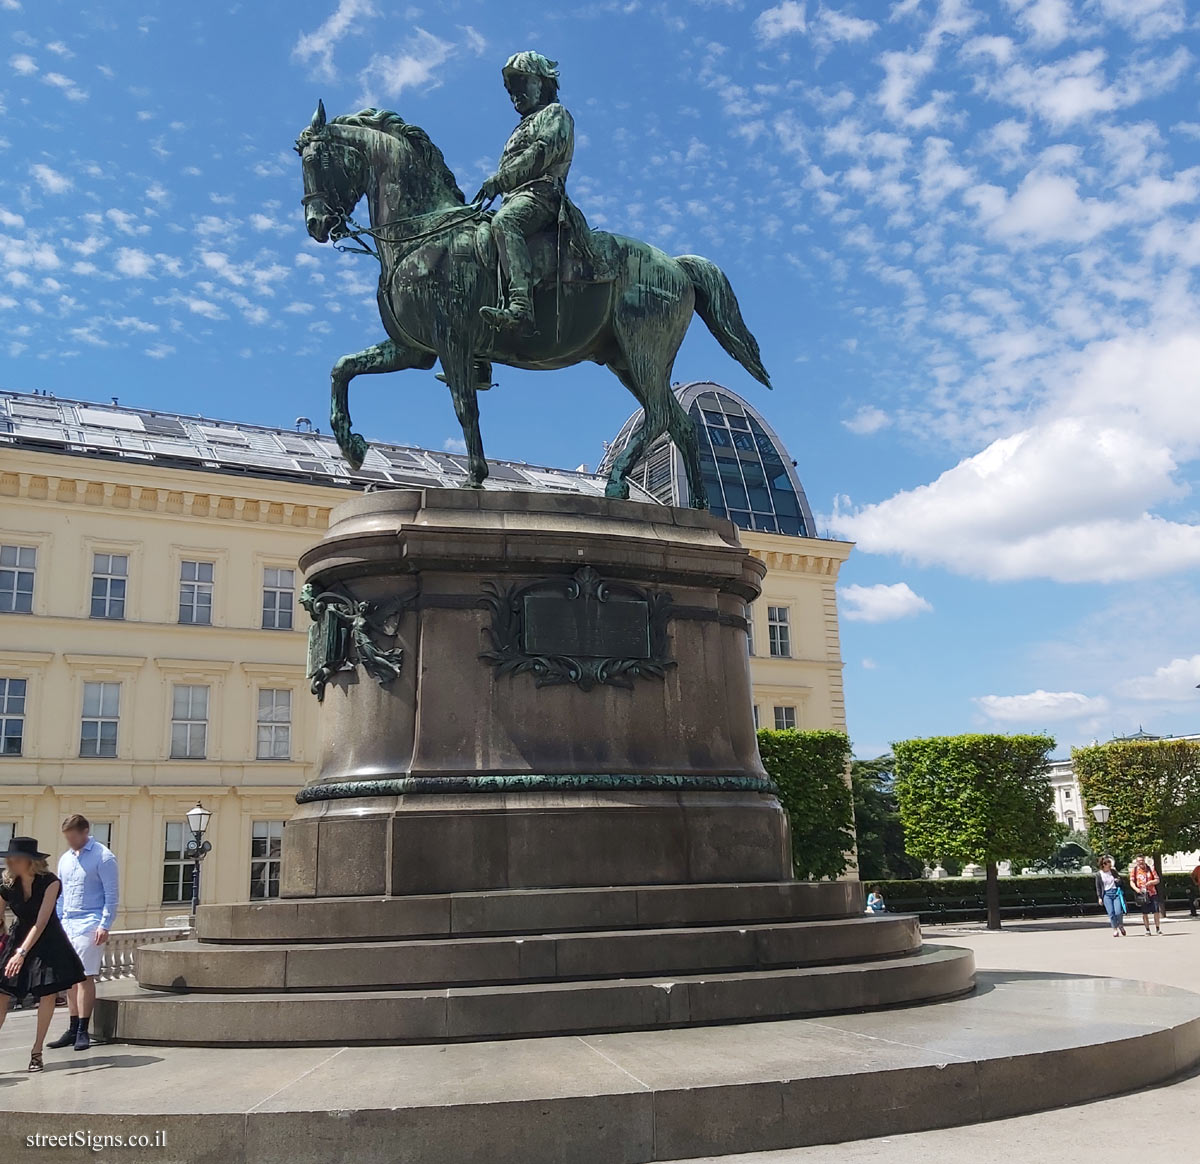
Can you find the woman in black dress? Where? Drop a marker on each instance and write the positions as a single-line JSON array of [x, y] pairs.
[[38, 957]]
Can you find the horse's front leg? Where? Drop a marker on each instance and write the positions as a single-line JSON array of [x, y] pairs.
[[388, 356], [459, 367]]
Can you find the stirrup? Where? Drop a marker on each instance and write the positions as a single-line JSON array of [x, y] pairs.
[[480, 385]]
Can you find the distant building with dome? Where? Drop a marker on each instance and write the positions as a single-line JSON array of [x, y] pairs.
[[751, 479], [750, 476]]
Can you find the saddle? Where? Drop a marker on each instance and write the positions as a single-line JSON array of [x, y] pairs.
[[559, 255]]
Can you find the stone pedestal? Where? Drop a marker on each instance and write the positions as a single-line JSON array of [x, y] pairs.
[[526, 690], [540, 807]]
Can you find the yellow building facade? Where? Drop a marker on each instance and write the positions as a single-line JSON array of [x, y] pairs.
[[152, 650]]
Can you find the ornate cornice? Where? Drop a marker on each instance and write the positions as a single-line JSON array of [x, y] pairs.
[[95, 492], [820, 565]]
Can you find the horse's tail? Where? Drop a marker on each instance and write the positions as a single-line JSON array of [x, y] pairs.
[[717, 305]]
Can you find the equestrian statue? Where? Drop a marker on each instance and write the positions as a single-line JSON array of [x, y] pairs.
[[528, 286]]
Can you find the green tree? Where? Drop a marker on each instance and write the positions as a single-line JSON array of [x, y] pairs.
[[1152, 788], [810, 771], [983, 798], [877, 825]]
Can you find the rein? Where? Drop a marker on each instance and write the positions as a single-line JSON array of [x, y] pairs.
[[352, 230]]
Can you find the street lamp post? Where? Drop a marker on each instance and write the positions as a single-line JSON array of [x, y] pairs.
[[197, 849], [1101, 812]]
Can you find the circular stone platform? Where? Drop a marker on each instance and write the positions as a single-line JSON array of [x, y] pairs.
[[1022, 1042]]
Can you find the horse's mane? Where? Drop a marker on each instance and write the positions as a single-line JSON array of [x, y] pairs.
[[388, 122]]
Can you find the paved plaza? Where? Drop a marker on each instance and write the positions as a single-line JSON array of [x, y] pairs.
[[1156, 1126], [192, 1084]]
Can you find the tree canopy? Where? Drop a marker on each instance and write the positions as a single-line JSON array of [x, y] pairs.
[[1152, 788], [877, 825], [810, 770], [984, 798]]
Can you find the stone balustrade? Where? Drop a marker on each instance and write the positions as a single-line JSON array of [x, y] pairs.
[[119, 959]]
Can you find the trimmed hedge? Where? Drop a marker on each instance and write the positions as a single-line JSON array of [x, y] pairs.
[[962, 898], [810, 770]]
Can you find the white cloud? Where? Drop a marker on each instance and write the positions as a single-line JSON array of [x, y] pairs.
[[870, 665], [68, 87], [160, 351], [830, 27], [23, 64], [881, 602], [867, 420], [49, 179], [418, 63], [782, 20], [454, 445], [8, 218], [132, 263], [1066, 500], [319, 45], [1049, 22], [1041, 706], [1174, 682]]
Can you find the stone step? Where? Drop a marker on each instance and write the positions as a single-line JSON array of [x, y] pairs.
[[133, 1014], [596, 954], [527, 911]]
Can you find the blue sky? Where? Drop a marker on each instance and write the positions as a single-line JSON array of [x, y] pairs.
[[965, 234]]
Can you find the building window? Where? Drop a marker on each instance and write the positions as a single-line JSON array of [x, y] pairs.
[[177, 869], [1071, 821], [8, 829], [274, 724], [195, 592], [1066, 794], [756, 717], [266, 844], [785, 719], [17, 567], [12, 716], [279, 597], [749, 631], [101, 714], [110, 573], [102, 831], [779, 632], [189, 722]]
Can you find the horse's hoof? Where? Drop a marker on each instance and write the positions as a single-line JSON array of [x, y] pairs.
[[356, 452]]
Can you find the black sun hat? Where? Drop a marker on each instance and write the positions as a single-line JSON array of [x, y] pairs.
[[24, 847]]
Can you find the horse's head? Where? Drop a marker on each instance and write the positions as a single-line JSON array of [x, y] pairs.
[[335, 176]]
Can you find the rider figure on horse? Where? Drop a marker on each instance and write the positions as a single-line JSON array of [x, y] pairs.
[[531, 176]]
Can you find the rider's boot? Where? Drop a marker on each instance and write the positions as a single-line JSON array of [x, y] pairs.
[[518, 315], [483, 376]]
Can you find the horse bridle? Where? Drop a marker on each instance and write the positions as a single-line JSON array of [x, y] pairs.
[[347, 228]]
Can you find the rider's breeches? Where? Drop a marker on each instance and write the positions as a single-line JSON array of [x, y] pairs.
[[524, 213]]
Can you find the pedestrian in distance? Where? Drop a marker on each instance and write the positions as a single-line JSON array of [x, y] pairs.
[[37, 957], [87, 907], [1111, 896], [1144, 880], [875, 902]]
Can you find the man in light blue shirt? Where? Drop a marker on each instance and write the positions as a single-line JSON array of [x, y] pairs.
[[87, 905]]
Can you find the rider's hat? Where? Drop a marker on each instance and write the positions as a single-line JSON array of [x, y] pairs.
[[532, 65]]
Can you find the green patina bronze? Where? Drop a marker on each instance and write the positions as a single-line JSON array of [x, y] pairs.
[[341, 637], [530, 286], [524, 782]]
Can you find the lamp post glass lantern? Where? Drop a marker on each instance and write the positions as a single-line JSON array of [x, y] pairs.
[[1101, 812], [197, 849]]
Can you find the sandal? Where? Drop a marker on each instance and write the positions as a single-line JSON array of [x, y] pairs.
[[35, 1062]]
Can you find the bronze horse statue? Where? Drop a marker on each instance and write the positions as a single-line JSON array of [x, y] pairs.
[[627, 306]]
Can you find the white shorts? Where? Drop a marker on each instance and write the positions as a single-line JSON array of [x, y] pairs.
[[83, 938]]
